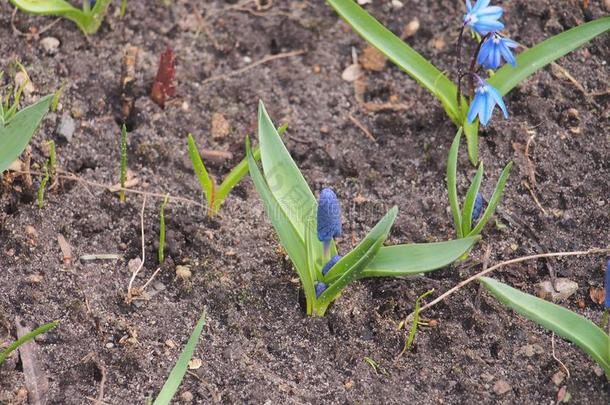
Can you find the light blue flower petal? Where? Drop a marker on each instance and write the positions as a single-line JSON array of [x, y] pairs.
[[507, 54], [484, 27], [475, 107], [480, 4], [497, 98], [485, 114], [494, 12]]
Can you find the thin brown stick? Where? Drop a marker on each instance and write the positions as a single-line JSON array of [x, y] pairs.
[[362, 127], [266, 59], [506, 263]]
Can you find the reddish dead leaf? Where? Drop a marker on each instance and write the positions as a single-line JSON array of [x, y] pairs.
[[164, 86]]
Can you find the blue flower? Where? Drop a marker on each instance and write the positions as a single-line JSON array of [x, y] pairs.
[[483, 18], [330, 264], [485, 99], [479, 201], [607, 286], [495, 48], [329, 216], [320, 287]]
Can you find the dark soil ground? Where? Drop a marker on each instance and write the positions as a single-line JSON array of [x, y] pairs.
[[258, 346]]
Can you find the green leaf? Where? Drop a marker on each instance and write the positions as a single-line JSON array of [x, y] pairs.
[[88, 21], [352, 264], [469, 200], [177, 374], [534, 59], [405, 57], [471, 131], [289, 236], [452, 183], [575, 328], [207, 184], [16, 135], [409, 260], [285, 179], [493, 202], [237, 174], [15, 345]]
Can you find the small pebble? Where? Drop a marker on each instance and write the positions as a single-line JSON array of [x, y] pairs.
[[501, 387], [31, 232], [67, 126], [565, 289], [50, 45], [411, 28], [109, 345], [397, 4], [186, 396]]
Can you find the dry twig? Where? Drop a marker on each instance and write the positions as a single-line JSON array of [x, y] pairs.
[[362, 127]]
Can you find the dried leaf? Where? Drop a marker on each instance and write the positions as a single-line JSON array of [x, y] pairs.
[[372, 59], [597, 294], [352, 72], [164, 86], [36, 380]]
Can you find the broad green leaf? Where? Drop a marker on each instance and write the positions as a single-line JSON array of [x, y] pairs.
[[494, 200], [285, 179], [16, 135], [534, 59], [177, 374], [573, 327], [351, 265], [237, 174], [207, 184], [452, 182], [469, 200], [88, 21], [409, 260], [289, 236], [405, 57]]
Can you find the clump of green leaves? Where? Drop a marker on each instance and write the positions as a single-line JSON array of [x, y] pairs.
[[465, 222], [24, 339], [439, 84], [87, 18], [216, 194], [18, 126], [292, 209], [573, 327]]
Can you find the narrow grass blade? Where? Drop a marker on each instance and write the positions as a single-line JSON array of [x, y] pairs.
[[15, 345], [415, 323], [573, 327], [15, 135], [237, 174], [471, 196], [452, 183], [494, 200], [162, 230], [289, 236], [177, 374], [534, 59], [207, 184], [351, 265], [409, 260], [401, 54]]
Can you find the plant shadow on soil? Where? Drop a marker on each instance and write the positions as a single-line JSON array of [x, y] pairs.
[[258, 346]]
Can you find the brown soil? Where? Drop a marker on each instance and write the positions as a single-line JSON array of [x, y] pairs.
[[258, 347]]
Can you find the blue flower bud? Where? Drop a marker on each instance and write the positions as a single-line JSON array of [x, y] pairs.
[[320, 287], [329, 216], [607, 286], [330, 264], [477, 210]]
